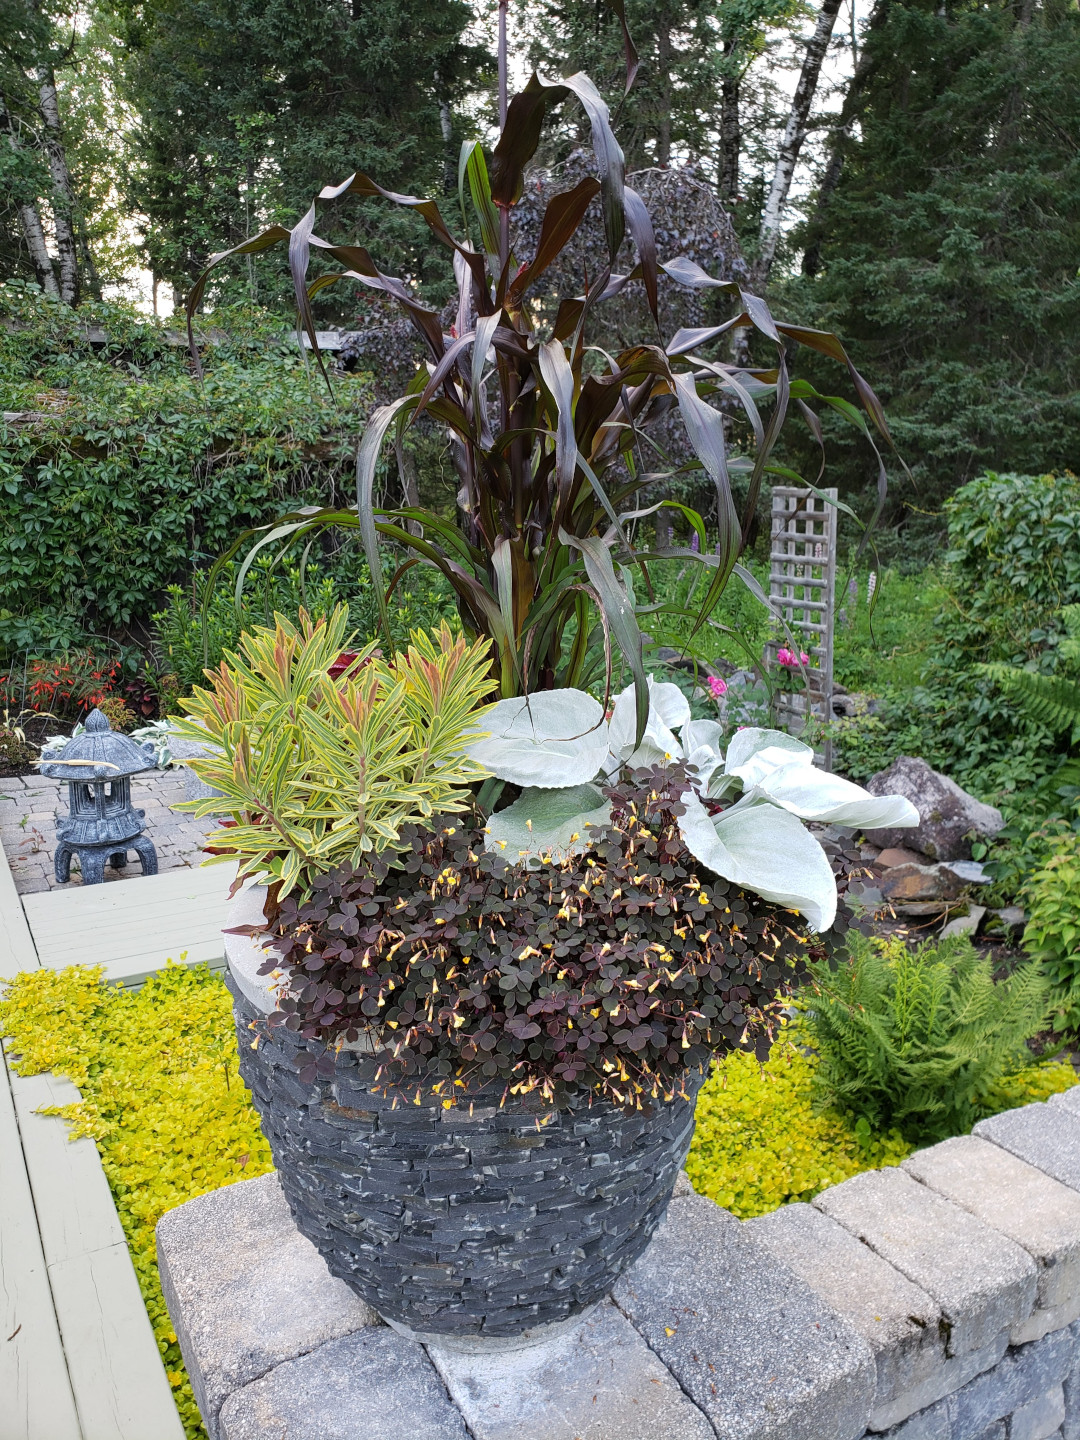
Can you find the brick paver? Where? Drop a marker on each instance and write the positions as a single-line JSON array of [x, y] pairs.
[[30, 805]]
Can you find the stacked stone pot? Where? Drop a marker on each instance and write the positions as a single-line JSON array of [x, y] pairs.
[[489, 1222]]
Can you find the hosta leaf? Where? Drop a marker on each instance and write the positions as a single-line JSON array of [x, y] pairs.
[[814, 794], [658, 744], [550, 739], [764, 849], [548, 822], [748, 743]]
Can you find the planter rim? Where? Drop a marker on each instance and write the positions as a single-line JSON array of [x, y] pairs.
[[244, 955]]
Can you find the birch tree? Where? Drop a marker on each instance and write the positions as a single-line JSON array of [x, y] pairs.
[[795, 132]]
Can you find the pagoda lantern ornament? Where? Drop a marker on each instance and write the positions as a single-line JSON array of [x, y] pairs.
[[101, 824]]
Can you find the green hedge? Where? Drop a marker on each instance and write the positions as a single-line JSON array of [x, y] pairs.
[[122, 474], [1013, 562]]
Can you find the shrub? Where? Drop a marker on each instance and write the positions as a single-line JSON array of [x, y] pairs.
[[161, 1096], [760, 1142], [1013, 563], [65, 686], [120, 471], [920, 1039], [617, 971], [199, 623], [318, 771], [119, 715], [1052, 935]]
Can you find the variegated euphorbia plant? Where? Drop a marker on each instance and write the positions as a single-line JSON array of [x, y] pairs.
[[548, 433], [744, 807]]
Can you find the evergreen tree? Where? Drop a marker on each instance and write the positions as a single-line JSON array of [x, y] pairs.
[[947, 251], [248, 107], [693, 55]]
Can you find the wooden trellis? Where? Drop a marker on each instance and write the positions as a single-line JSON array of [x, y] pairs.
[[802, 587]]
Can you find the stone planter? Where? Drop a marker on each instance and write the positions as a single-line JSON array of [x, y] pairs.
[[472, 1225]]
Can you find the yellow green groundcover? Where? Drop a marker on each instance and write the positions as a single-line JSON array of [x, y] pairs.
[[164, 1101]]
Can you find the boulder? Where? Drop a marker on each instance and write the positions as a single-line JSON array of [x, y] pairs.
[[920, 882], [898, 855], [948, 816]]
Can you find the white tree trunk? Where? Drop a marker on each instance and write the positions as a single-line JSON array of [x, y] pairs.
[[30, 221], [794, 135], [64, 199]]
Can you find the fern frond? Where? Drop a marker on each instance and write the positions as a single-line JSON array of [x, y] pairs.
[[919, 1039], [1051, 699]]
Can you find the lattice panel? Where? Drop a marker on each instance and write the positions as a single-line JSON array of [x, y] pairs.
[[802, 587]]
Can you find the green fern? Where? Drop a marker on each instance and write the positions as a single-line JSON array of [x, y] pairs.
[[1053, 700], [919, 1040]]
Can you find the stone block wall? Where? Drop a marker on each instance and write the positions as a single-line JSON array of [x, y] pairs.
[[960, 1271], [935, 1301]]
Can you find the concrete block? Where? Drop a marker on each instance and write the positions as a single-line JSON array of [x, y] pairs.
[[1039, 1418], [1046, 1136], [897, 1319], [751, 1344], [1026, 1372], [1011, 1196], [245, 1290], [1067, 1099], [374, 1385], [600, 1381], [983, 1281]]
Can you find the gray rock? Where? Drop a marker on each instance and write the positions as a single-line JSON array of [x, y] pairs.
[[964, 924], [971, 872], [245, 1290], [599, 1382], [897, 1320], [1011, 919], [920, 883], [682, 1185], [1046, 1136], [748, 1341], [373, 1385], [1021, 1202], [1071, 1388], [1025, 1373], [929, 1424], [983, 1282], [947, 814], [1039, 1418]]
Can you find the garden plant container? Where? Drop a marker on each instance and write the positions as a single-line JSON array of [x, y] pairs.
[[493, 1219]]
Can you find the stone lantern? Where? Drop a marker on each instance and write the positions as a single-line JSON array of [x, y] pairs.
[[101, 823]]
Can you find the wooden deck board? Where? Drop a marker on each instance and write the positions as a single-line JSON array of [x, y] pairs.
[[61, 1169], [119, 1385], [35, 1391], [132, 927], [81, 1362]]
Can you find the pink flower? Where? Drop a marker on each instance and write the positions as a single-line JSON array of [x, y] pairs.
[[790, 660], [717, 687]]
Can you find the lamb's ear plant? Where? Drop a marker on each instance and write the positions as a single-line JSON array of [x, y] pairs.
[[317, 772], [548, 434]]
